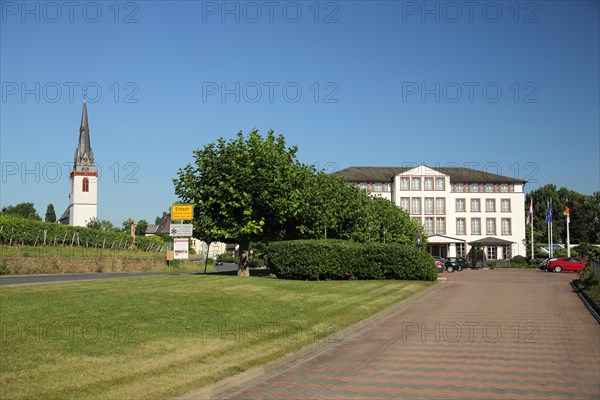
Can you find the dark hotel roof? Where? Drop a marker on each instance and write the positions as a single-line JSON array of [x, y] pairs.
[[386, 174]]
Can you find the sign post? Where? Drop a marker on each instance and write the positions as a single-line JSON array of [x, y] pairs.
[[182, 212], [180, 249], [181, 232]]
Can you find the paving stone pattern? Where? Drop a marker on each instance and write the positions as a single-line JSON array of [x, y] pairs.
[[487, 334]]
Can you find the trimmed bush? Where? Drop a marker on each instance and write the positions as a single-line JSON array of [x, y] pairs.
[[476, 256], [587, 277], [338, 259], [256, 263], [518, 262]]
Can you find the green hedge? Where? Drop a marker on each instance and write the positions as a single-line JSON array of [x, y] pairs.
[[587, 277], [21, 231], [338, 259]]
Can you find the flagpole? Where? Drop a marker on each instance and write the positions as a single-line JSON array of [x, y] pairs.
[[531, 223], [548, 227], [568, 239], [568, 236], [532, 238], [551, 238]]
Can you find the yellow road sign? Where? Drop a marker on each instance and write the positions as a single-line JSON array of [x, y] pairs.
[[182, 211]]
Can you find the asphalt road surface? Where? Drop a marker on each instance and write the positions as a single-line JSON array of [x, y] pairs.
[[36, 279]]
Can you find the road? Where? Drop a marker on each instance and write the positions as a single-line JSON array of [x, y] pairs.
[[54, 278]]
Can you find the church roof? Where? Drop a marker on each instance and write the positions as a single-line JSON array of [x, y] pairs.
[[65, 217], [84, 156]]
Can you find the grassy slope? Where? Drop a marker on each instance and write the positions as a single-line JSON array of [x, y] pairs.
[[158, 337]]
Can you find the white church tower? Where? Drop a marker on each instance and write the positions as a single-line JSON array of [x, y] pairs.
[[83, 204]]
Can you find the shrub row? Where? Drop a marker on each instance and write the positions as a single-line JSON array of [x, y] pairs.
[[588, 277], [338, 259], [15, 230]]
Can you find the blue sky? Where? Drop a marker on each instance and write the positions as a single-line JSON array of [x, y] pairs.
[[509, 87]]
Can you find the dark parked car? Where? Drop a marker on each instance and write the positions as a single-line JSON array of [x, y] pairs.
[[566, 264], [449, 264], [460, 261], [452, 264], [544, 264]]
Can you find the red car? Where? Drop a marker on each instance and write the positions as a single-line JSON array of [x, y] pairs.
[[566, 263]]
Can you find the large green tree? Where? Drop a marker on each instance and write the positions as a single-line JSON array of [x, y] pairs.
[[330, 208], [387, 223], [244, 189], [101, 225], [334, 209], [23, 210], [584, 216], [140, 226], [50, 213]]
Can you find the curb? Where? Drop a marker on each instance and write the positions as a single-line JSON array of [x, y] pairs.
[[590, 304], [229, 385]]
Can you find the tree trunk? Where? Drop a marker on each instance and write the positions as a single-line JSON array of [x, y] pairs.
[[243, 259]]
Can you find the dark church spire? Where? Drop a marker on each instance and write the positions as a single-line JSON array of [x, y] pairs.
[[84, 157]]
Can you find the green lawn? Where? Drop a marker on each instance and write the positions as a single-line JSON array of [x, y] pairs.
[[159, 337]]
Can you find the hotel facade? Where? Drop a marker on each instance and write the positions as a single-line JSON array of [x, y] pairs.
[[458, 208]]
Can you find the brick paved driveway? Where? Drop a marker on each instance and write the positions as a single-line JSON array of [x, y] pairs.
[[520, 334]]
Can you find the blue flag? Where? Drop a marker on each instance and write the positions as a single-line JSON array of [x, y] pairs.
[[549, 212]]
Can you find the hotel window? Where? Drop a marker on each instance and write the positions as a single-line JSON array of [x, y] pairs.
[[416, 183], [491, 253], [440, 226], [85, 185], [440, 184], [504, 187], [489, 187], [507, 253], [475, 226], [429, 205], [428, 227], [428, 183], [378, 187], [440, 206], [416, 205], [475, 205], [460, 187], [490, 205], [474, 187], [505, 205], [460, 249], [506, 226], [461, 226], [490, 226], [405, 204], [404, 183], [460, 205]]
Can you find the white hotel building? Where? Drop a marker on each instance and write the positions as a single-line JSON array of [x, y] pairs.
[[458, 208]]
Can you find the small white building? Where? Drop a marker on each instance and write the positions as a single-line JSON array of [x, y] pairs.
[[83, 196], [458, 208]]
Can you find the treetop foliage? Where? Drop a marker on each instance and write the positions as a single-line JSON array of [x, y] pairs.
[[584, 215], [23, 210], [251, 188]]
